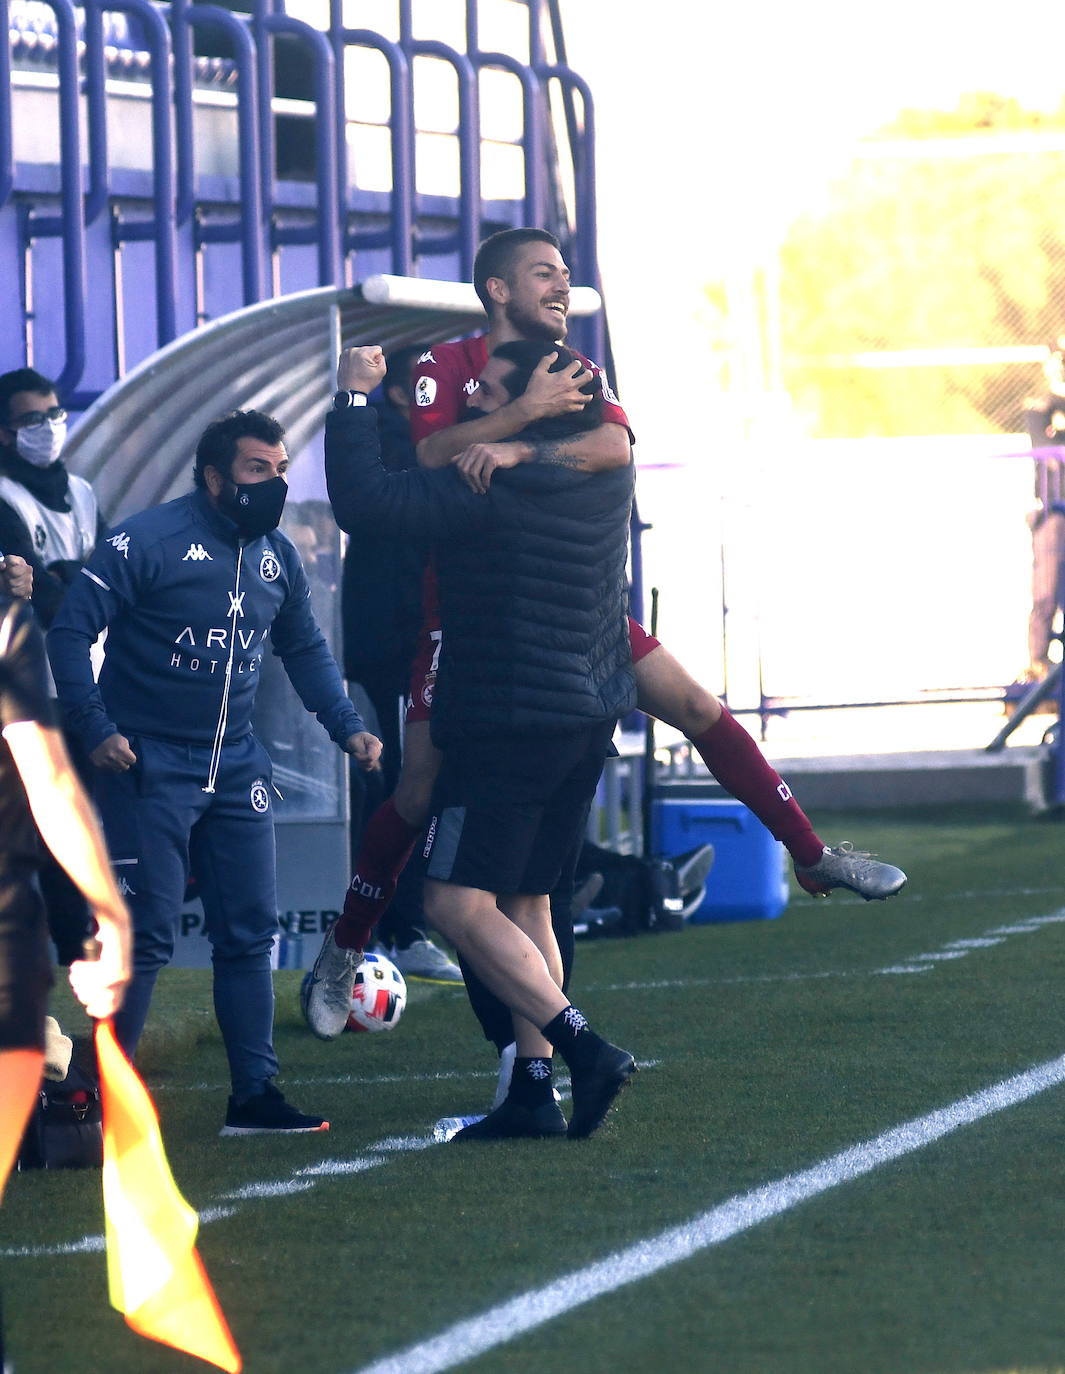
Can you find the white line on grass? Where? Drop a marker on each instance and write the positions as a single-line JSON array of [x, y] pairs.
[[958, 949], [914, 963], [468, 1339], [344, 1079]]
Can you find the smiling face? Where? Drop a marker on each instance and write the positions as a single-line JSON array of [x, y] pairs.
[[254, 461], [532, 300]]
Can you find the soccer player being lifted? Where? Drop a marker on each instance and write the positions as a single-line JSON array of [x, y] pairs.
[[523, 283]]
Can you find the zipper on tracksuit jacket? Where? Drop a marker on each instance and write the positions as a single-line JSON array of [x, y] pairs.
[[223, 711]]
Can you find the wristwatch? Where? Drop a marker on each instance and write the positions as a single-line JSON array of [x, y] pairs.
[[343, 400]]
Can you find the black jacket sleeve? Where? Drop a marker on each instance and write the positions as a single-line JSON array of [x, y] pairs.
[[48, 589], [428, 504]]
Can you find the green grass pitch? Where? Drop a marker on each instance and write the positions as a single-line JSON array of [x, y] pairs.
[[766, 1048]]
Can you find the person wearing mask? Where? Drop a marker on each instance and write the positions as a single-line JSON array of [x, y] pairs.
[[189, 593]]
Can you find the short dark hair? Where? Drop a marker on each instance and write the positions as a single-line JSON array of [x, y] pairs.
[[526, 355], [495, 257], [218, 442], [398, 365], [22, 379]]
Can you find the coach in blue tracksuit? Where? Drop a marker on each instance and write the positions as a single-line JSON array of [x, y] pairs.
[[189, 592]]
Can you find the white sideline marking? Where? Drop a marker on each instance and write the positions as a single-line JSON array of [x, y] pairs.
[[393, 1143], [715, 982], [88, 1245], [91, 1245], [281, 1188], [328, 1167], [468, 1339], [342, 1080], [958, 949]]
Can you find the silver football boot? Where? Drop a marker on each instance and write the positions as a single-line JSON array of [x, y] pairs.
[[845, 866]]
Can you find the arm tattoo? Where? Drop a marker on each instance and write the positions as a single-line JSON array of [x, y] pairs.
[[554, 451]]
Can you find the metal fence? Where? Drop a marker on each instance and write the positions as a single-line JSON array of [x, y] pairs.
[[922, 296]]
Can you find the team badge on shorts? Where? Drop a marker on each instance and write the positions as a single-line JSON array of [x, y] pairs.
[[260, 797], [269, 567], [427, 689]]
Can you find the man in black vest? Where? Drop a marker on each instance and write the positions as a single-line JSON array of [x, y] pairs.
[[535, 672]]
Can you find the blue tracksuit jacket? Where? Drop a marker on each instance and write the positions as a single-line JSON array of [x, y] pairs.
[[188, 607]]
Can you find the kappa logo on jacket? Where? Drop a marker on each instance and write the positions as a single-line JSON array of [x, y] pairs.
[[196, 554], [120, 542], [427, 357]]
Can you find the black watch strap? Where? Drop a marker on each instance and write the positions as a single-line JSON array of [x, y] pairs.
[[346, 400]]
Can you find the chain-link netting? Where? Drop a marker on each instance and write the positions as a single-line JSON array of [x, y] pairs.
[[922, 295]]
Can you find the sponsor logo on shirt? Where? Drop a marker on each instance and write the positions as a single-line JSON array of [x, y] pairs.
[[210, 650], [269, 567], [425, 391], [120, 542], [196, 554], [608, 395]]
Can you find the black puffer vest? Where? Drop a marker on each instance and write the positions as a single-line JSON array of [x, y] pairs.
[[532, 582]]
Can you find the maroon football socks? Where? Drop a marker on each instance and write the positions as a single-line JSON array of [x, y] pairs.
[[736, 761], [386, 846]]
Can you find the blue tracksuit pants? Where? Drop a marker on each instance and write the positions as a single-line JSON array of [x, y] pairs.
[[160, 823]]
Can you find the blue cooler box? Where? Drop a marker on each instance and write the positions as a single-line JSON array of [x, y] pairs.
[[749, 879]]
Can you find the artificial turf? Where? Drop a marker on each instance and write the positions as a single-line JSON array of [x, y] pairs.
[[766, 1047]]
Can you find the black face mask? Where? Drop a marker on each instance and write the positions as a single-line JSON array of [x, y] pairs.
[[254, 507]]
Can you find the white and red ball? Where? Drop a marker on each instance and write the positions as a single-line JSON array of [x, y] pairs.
[[379, 995]]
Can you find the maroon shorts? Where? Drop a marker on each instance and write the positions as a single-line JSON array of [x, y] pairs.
[[423, 673]]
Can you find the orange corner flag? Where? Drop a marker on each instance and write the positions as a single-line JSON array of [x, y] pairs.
[[154, 1273]]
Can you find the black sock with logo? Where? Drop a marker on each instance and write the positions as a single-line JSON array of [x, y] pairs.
[[530, 1083], [574, 1039]]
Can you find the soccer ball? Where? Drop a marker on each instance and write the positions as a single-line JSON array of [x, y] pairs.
[[379, 995]]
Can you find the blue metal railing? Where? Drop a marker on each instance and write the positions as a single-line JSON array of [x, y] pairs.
[[268, 24], [342, 224], [400, 235], [7, 142], [69, 225], [162, 228], [185, 18]]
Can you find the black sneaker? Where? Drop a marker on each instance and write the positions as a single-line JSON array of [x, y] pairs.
[[512, 1121], [267, 1113], [595, 1088]]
